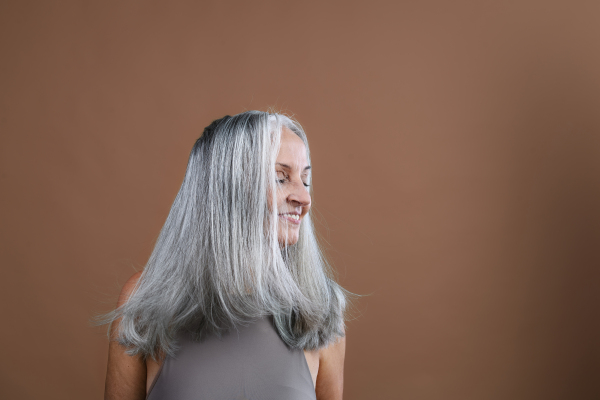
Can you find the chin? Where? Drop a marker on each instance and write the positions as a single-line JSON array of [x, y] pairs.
[[288, 241]]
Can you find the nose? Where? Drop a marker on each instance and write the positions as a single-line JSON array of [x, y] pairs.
[[298, 195]]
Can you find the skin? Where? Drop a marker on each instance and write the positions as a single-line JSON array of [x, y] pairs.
[[293, 178], [130, 377]]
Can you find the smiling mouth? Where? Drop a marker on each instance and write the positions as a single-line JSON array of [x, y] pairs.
[[293, 218]]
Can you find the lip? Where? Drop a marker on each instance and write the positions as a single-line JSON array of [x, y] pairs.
[[291, 220]]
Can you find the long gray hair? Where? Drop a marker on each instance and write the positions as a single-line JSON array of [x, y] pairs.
[[217, 261]]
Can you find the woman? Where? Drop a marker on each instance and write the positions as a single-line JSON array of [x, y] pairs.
[[236, 300]]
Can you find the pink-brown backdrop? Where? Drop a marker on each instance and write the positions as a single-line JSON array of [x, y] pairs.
[[456, 165]]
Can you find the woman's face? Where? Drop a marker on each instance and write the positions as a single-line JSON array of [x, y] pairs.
[[293, 178]]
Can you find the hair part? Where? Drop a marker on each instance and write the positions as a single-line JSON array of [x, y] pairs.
[[217, 261]]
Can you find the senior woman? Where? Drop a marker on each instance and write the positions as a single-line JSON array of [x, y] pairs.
[[236, 300]]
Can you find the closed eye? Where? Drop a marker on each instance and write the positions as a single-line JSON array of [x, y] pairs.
[[281, 177]]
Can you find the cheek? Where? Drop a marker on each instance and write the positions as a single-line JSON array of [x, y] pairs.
[[280, 199]]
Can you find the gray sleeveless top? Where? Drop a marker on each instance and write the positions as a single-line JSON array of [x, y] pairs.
[[247, 363]]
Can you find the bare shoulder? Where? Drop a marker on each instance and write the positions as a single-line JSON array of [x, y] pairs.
[[330, 379], [335, 348], [125, 374], [128, 288]]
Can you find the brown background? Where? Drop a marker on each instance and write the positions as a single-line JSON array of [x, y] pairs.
[[456, 164]]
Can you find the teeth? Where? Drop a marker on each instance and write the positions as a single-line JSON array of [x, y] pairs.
[[293, 216]]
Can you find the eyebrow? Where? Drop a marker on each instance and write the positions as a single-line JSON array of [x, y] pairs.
[[288, 167]]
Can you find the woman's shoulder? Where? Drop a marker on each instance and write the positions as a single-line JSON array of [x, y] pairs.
[[126, 374], [128, 288], [330, 380]]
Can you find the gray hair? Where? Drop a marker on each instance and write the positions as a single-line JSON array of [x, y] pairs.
[[217, 261]]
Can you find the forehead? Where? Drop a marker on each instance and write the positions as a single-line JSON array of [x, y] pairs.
[[292, 150]]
